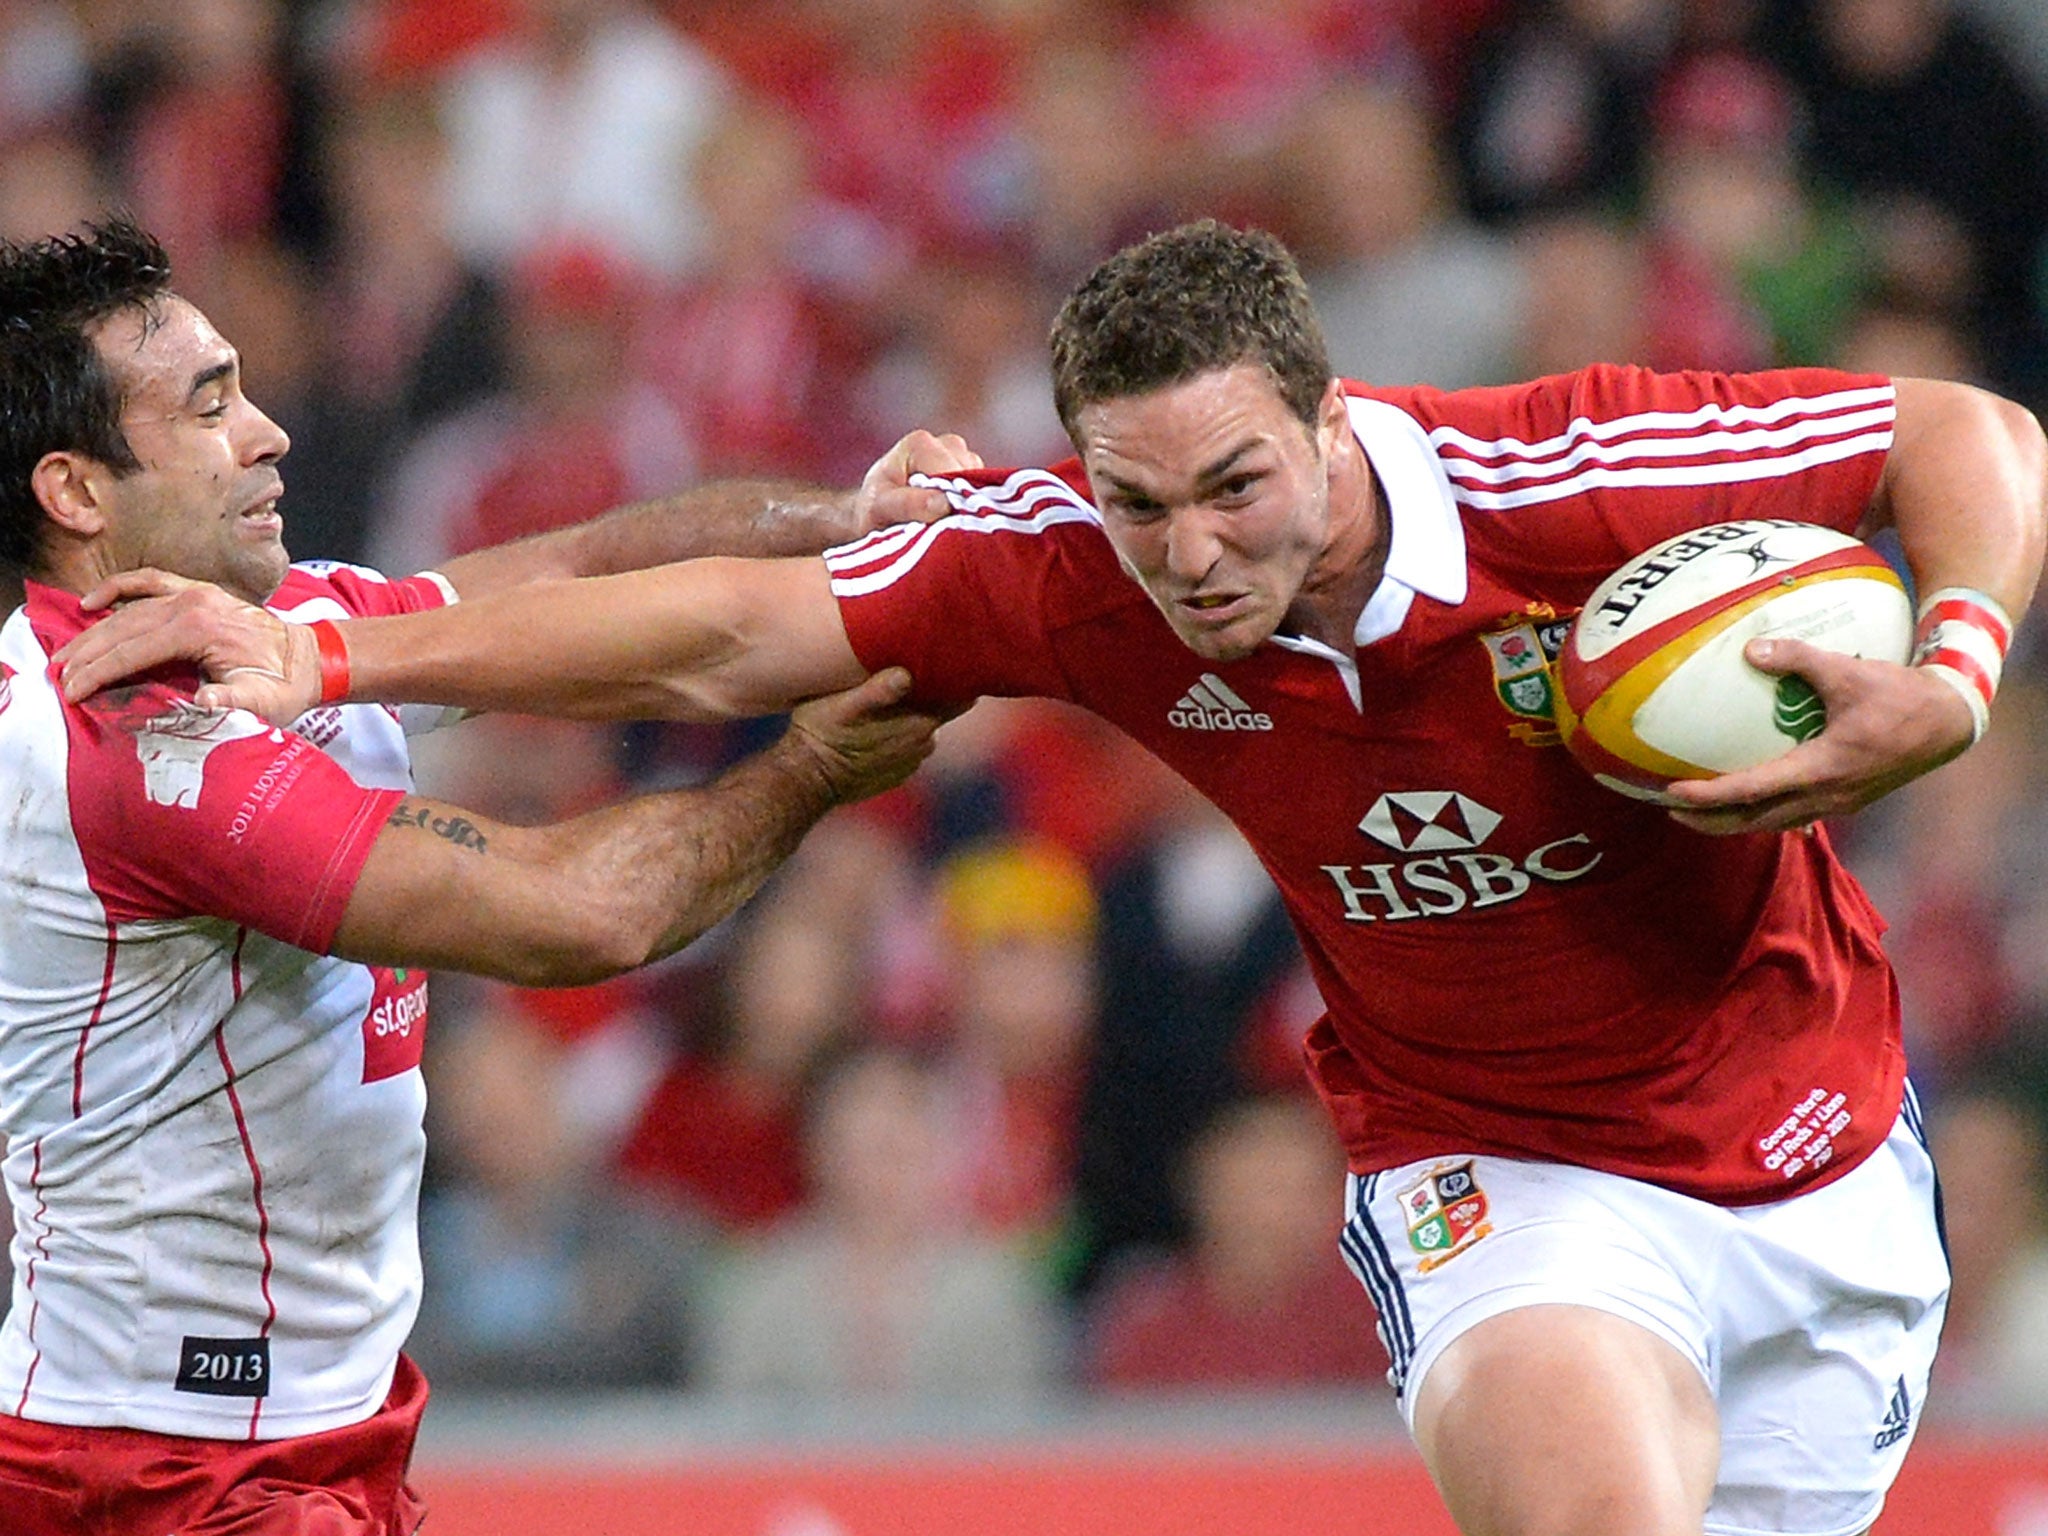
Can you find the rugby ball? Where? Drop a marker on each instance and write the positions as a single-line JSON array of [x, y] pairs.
[[1653, 683]]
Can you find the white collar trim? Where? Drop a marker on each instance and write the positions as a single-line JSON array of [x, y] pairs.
[[1426, 552]]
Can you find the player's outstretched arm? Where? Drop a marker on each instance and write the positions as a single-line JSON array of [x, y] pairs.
[[1965, 487], [763, 518], [704, 639], [583, 899]]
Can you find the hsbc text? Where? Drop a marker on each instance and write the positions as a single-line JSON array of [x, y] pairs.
[[1439, 886]]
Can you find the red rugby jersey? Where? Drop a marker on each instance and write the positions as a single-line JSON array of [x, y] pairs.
[[1515, 960]]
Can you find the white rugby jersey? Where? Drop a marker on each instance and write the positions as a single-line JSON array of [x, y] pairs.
[[213, 1136]]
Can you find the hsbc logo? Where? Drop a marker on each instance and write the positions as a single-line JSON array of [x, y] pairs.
[[1429, 821], [1456, 872]]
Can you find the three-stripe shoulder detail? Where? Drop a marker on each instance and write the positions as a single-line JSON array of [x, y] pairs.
[[1028, 502], [1708, 445]]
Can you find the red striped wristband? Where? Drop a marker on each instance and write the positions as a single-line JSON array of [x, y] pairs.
[[333, 649], [1962, 638]]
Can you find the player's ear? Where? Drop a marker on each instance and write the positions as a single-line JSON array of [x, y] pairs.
[[71, 488], [1333, 415]]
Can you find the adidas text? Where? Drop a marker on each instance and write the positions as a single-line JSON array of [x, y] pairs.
[[1219, 720], [1212, 705]]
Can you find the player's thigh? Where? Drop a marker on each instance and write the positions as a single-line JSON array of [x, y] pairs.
[[1559, 1420]]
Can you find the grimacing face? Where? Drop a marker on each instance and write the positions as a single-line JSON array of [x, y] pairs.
[[204, 502], [1217, 500]]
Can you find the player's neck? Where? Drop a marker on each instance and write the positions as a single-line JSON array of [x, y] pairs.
[[1348, 572]]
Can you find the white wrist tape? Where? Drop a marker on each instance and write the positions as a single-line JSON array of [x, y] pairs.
[[1962, 638]]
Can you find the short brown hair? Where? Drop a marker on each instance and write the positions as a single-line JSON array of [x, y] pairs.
[[1183, 303]]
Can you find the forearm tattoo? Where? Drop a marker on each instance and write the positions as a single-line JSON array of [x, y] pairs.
[[458, 830]]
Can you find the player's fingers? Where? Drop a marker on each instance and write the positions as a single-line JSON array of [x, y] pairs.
[[835, 712], [1802, 771], [126, 586], [1782, 814], [889, 686], [1826, 670], [907, 504], [953, 447], [93, 660]]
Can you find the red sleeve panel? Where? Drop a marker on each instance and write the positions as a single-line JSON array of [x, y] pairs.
[[971, 603], [185, 812], [1598, 465], [365, 593]]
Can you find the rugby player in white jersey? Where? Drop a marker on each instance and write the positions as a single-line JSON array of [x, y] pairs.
[[211, 929], [1637, 1182]]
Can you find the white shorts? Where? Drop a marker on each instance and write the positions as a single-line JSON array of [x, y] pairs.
[[1812, 1320]]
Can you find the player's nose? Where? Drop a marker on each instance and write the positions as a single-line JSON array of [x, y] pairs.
[[264, 440], [1192, 544]]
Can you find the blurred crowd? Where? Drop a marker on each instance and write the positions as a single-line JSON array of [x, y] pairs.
[[997, 1089]]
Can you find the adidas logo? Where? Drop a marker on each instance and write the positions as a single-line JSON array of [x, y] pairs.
[[1212, 705], [1898, 1418]]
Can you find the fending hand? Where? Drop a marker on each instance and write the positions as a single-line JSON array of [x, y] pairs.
[[863, 740], [887, 497], [254, 660], [1886, 726]]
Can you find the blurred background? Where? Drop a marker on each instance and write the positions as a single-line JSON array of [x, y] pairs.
[[994, 1098]]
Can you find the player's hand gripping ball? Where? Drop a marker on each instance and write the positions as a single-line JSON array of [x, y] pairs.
[[1654, 683]]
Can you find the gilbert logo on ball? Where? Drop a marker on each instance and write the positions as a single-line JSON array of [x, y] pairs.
[[1654, 683]]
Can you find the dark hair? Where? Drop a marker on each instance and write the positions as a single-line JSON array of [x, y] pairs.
[[56, 394], [1184, 303]]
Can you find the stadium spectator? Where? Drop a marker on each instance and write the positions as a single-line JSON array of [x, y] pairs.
[[489, 473], [720, 1133], [1750, 268], [1911, 98], [1410, 290], [410, 333], [1553, 114], [1256, 1299], [754, 354], [1990, 1139], [575, 126], [967, 356], [876, 1292], [1193, 938], [540, 1274], [1018, 919]]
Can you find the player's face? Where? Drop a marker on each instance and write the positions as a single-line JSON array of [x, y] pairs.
[[204, 502], [1217, 499]]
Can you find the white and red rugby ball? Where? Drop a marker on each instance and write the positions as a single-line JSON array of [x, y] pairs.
[[1654, 686]]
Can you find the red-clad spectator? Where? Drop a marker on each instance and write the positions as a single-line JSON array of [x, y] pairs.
[[204, 157], [1749, 269], [751, 351], [404, 41], [573, 434], [908, 124], [721, 1133], [1259, 1298], [874, 1293]]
